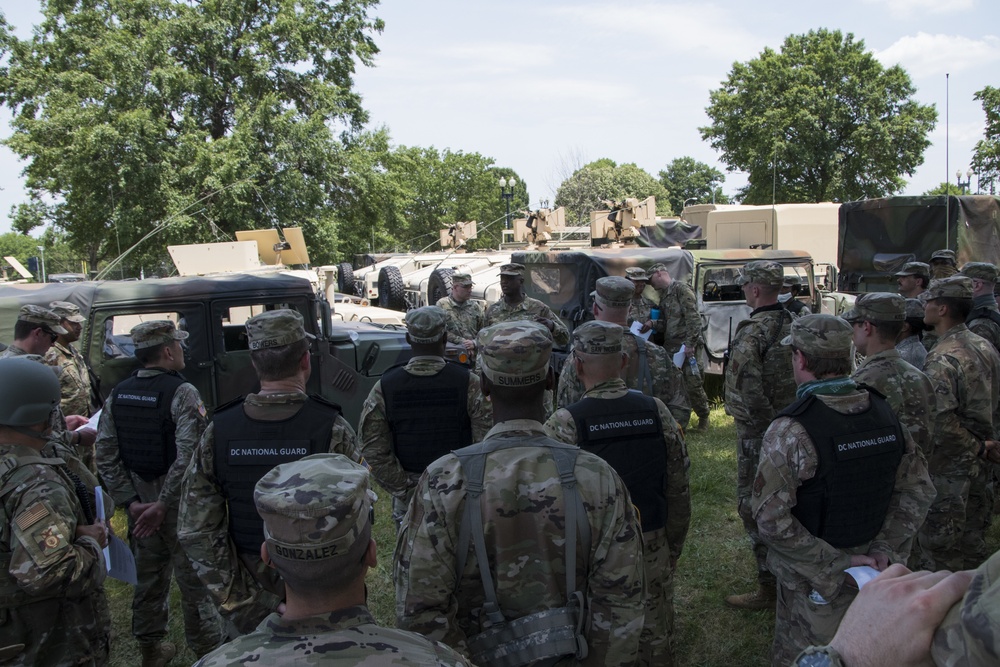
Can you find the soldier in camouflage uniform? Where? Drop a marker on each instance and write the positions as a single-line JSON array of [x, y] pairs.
[[526, 517], [217, 526], [54, 609], [913, 279], [649, 369], [910, 343], [516, 306], [758, 384], [965, 372], [877, 319], [944, 264], [788, 296], [681, 324], [149, 427], [642, 442], [465, 315], [639, 308], [74, 378], [437, 407], [840, 484], [318, 535], [984, 319]]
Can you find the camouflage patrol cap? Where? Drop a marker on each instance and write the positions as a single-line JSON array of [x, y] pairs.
[[597, 337], [821, 336], [791, 280], [914, 309], [915, 269], [515, 354], [877, 306], [762, 272], [461, 279], [656, 268], [980, 271], [42, 316], [314, 508], [426, 325], [944, 256], [614, 291], [276, 328], [512, 270], [954, 287], [636, 274], [157, 332], [67, 311]]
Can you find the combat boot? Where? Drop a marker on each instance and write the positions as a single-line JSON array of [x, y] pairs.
[[762, 599], [703, 423], [158, 655]]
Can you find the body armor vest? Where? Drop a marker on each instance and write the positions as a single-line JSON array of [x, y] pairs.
[[981, 312], [627, 433], [144, 424], [246, 449], [859, 454], [427, 414]]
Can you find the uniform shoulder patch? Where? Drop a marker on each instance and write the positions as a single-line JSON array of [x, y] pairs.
[[29, 517]]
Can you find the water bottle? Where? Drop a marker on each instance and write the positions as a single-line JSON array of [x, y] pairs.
[[693, 363]]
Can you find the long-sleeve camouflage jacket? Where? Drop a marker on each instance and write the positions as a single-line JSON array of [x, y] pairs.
[[524, 519], [675, 486], [908, 391], [799, 559], [464, 319], [203, 523], [679, 320], [188, 413], [969, 636], [529, 309], [376, 438], [759, 381], [74, 379]]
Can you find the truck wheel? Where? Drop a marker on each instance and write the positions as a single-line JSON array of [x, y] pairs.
[[439, 285], [345, 279], [391, 291]]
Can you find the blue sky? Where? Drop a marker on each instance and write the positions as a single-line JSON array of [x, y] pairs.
[[546, 86]]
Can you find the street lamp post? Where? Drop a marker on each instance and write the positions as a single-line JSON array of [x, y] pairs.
[[963, 185], [507, 193], [41, 249]]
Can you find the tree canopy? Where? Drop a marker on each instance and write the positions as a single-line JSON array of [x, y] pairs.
[[686, 178], [820, 120], [986, 156], [603, 179], [196, 119]]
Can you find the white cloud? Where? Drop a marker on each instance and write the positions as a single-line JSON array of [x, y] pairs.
[[923, 54], [906, 8]]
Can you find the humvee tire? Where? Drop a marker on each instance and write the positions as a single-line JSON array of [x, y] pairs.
[[345, 279], [391, 291], [439, 285]]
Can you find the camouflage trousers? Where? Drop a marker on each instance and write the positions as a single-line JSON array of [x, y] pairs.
[[799, 622], [656, 643], [155, 558], [747, 459], [695, 384], [953, 536]]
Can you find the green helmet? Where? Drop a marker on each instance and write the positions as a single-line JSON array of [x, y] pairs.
[[29, 391]]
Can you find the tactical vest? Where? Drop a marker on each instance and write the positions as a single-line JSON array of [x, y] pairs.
[[776, 361], [644, 375], [427, 414], [982, 312], [144, 424], [846, 501], [246, 449], [627, 433]]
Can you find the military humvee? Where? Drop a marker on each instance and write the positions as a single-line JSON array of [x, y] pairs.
[[347, 357], [564, 281]]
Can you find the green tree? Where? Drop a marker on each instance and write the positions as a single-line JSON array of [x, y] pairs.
[[20, 247], [942, 189], [986, 156], [686, 178], [193, 119], [820, 120], [585, 190]]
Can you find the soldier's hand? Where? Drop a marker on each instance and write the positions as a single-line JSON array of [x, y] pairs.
[[74, 422], [646, 326], [992, 451], [893, 619], [136, 509], [87, 437], [96, 531], [546, 322], [470, 345], [150, 520], [881, 561]]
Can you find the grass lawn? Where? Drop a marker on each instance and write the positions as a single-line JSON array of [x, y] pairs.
[[715, 563]]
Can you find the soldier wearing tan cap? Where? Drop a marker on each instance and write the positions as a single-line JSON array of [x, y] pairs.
[[964, 370], [913, 279], [150, 425], [647, 368], [420, 411], [984, 319], [840, 483], [74, 377], [318, 536], [515, 305], [219, 526], [465, 315], [527, 503], [944, 264], [640, 308], [910, 342], [640, 439]]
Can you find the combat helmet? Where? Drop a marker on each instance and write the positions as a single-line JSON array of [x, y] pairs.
[[29, 392]]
